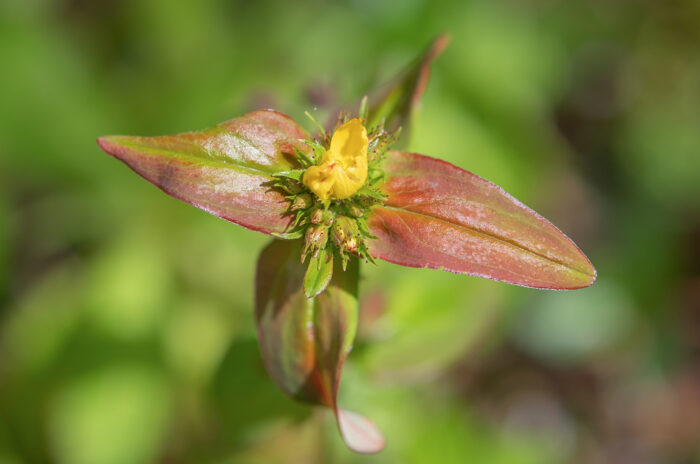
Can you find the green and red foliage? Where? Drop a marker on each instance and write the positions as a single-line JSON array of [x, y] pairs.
[[415, 211]]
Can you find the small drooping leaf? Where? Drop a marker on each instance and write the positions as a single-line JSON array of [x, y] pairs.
[[318, 273], [225, 170], [442, 217], [359, 433], [304, 341]]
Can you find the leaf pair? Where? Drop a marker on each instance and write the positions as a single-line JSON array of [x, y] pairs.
[[304, 341], [436, 215]]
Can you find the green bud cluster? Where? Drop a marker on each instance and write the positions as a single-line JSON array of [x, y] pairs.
[[334, 227], [339, 227]]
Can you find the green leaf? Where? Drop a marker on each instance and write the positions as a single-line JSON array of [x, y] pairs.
[[442, 217], [397, 102], [289, 235], [368, 191], [304, 341], [319, 273], [226, 170], [295, 174]]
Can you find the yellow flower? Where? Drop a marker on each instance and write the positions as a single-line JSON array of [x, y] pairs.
[[343, 168]]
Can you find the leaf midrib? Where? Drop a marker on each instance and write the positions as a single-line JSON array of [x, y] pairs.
[[492, 237], [229, 164]]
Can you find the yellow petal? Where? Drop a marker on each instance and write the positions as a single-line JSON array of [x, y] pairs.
[[349, 143], [320, 180], [344, 165]]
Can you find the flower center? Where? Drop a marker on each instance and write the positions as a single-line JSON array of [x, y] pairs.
[[343, 168]]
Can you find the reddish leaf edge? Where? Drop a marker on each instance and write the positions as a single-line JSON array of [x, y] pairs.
[[436, 48], [359, 433], [108, 144], [592, 275]]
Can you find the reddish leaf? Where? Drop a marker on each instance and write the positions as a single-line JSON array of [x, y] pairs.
[[442, 217], [359, 433], [304, 342], [397, 101], [223, 169]]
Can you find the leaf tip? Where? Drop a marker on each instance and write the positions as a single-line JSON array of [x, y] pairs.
[[106, 143], [440, 43], [310, 292], [111, 144], [359, 433], [591, 272], [582, 276], [585, 273]]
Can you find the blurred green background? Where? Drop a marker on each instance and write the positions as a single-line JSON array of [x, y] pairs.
[[126, 328]]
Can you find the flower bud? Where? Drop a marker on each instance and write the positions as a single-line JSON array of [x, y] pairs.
[[317, 216], [343, 230], [351, 244], [316, 238], [302, 201], [338, 235], [322, 216], [294, 188], [356, 210]]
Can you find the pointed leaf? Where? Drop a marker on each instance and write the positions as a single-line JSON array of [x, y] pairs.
[[398, 101], [318, 274], [304, 342], [293, 174], [359, 433], [283, 316], [442, 217], [224, 170], [289, 235]]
